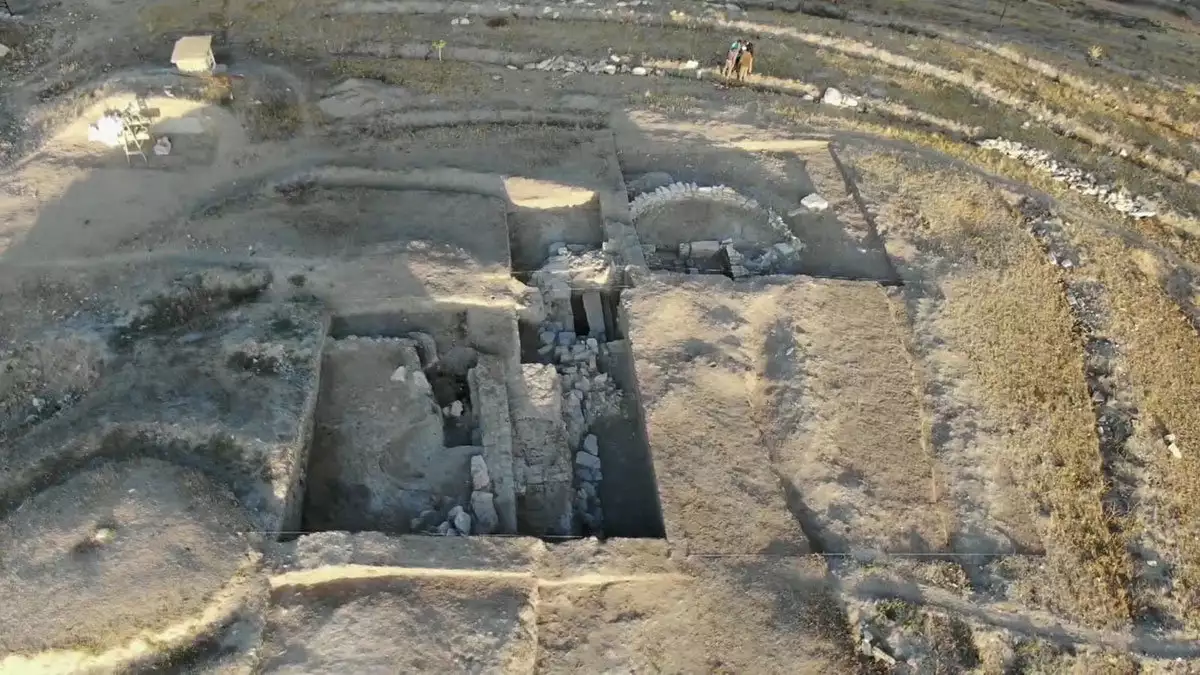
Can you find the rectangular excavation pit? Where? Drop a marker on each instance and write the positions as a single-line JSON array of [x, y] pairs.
[[404, 413], [545, 217], [582, 461]]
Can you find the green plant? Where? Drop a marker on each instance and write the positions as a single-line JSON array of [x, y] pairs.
[[439, 46]]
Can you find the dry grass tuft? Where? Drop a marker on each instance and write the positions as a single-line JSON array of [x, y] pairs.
[[276, 119], [217, 90], [451, 78]]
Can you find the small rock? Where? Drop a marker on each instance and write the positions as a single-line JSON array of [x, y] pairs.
[[566, 339], [638, 70], [547, 337], [427, 520], [833, 96], [484, 507], [400, 374], [587, 460], [591, 444], [462, 521], [4, 51], [691, 65], [444, 528], [1175, 451], [614, 58], [455, 409], [421, 383], [162, 147], [815, 203], [480, 480]]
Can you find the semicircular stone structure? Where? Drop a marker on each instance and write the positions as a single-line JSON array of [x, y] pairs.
[[720, 195]]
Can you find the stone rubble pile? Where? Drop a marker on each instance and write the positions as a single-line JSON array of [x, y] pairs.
[[613, 65], [1134, 206], [589, 475], [480, 518], [588, 395], [568, 270]]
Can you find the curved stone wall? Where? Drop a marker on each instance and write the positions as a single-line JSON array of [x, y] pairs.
[[679, 192]]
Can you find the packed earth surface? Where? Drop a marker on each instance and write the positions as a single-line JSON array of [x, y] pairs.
[[447, 337]]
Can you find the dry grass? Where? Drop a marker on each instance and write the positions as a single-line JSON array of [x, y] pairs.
[[1006, 312], [275, 119], [1168, 231], [1163, 356], [427, 77], [217, 90]]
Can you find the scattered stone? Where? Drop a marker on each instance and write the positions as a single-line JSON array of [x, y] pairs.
[[444, 529], [427, 348], [400, 374], [587, 460], [639, 71], [691, 65], [4, 51], [484, 507], [815, 203], [103, 535], [454, 410], [480, 480], [591, 444], [566, 338], [461, 520], [427, 520], [162, 147], [1134, 206]]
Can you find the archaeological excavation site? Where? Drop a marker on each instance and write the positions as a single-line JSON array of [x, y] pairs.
[[651, 336]]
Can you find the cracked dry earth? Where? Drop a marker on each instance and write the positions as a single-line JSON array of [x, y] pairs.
[[503, 337]]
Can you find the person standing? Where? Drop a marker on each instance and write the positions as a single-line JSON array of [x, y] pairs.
[[731, 57]]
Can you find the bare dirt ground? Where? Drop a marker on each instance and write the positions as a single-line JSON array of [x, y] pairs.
[[433, 343]]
